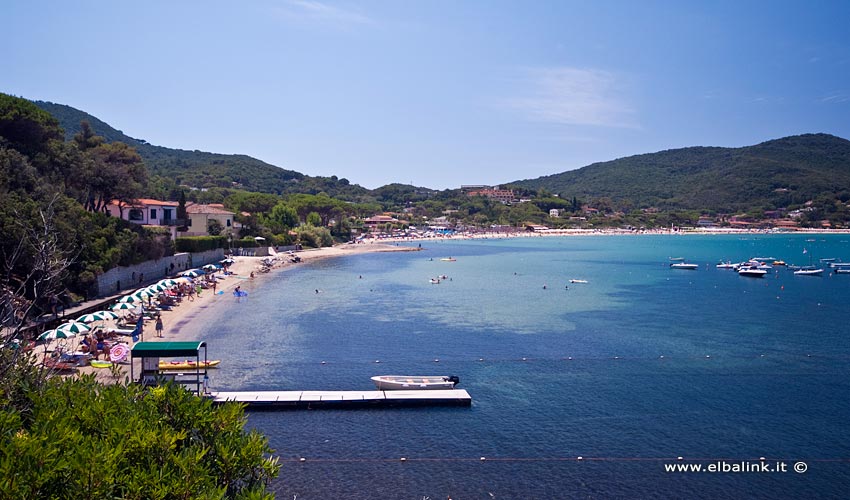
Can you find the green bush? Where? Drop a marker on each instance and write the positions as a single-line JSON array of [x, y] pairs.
[[200, 243], [79, 438]]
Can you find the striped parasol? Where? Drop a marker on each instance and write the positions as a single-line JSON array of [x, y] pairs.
[[90, 318], [74, 327], [56, 334], [124, 306]]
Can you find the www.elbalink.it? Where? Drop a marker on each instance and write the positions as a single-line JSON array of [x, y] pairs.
[[737, 467]]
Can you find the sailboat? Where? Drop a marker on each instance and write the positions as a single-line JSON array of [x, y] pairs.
[[809, 270]]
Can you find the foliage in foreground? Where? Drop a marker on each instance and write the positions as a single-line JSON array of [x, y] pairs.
[[77, 438]]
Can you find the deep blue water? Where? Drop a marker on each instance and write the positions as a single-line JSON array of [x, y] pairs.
[[751, 368]]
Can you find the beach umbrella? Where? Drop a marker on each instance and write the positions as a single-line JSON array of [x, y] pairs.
[[156, 288], [118, 353], [55, 334], [192, 273], [143, 293], [106, 314], [227, 261], [74, 327], [167, 282], [210, 267], [123, 306], [90, 318], [129, 299]]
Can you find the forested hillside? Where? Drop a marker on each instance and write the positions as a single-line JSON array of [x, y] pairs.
[[777, 173], [204, 170]]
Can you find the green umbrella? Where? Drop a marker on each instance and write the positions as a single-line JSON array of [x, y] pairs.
[[129, 299], [143, 293], [74, 327], [123, 306], [107, 314], [156, 288], [56, 334], [167, 282], [193, 273], [90, 318]]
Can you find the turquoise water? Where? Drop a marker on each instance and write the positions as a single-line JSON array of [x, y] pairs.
[[704, 364]]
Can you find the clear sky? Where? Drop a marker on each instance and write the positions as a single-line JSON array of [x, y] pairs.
[[437, 93]]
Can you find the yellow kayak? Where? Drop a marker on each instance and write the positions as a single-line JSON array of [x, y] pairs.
[[187, 364]]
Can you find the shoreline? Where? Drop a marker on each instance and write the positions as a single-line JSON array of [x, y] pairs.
[[187, 311], [243, 266]]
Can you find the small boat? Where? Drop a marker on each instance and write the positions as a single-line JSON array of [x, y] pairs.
[[725, 265], [448, 259], [828, 259], [434, 281], [779, 263], [187, 364], [842, 270], [751, 271], [809, 271], [684, 265], [578, 281], [411, 383], [839, 265]]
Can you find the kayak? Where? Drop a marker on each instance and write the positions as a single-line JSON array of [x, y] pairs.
[[187, 364]]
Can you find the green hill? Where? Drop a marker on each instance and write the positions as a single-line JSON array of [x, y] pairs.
[[777, 173], [202, 169]]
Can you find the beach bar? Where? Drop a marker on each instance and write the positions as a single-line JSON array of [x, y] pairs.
[[149, 354]]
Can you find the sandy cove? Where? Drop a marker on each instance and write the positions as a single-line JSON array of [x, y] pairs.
[[241, 271]]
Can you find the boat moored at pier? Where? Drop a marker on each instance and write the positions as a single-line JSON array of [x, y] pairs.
[[410, 382]]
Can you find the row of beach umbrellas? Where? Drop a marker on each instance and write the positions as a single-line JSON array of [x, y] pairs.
[[80, 325]]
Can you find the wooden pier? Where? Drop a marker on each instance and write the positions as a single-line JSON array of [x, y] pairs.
[[283, 400]]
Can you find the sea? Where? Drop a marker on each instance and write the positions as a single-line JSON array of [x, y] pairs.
[[667, 383]]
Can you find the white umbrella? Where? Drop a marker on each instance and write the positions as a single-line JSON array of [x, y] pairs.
[[227, 261], [56, 334], [210, 267], [129, 299], [90, 318], [167, 282], [143, 293], [74, 327], [107, 314], [123, 306], [157, 288], [192, 273]]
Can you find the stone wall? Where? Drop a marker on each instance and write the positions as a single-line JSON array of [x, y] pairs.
[[121, 279]]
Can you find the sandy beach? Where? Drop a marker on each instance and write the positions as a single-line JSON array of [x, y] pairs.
[[240, 272]]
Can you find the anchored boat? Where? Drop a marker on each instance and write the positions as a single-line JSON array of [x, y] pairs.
[[410, 382]]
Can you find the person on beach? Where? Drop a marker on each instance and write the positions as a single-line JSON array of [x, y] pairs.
[[159, 326], [214, 285]]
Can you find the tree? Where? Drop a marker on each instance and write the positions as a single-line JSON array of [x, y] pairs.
[[182, 215], [214, 227], [314, 219]]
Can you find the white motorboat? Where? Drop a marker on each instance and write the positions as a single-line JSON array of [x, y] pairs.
[[684, 265], [578, 281], [726, 265], [809, 271], [751, 271], [414, 382]]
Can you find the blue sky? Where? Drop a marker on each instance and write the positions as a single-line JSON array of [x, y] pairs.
[[437, 93]]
